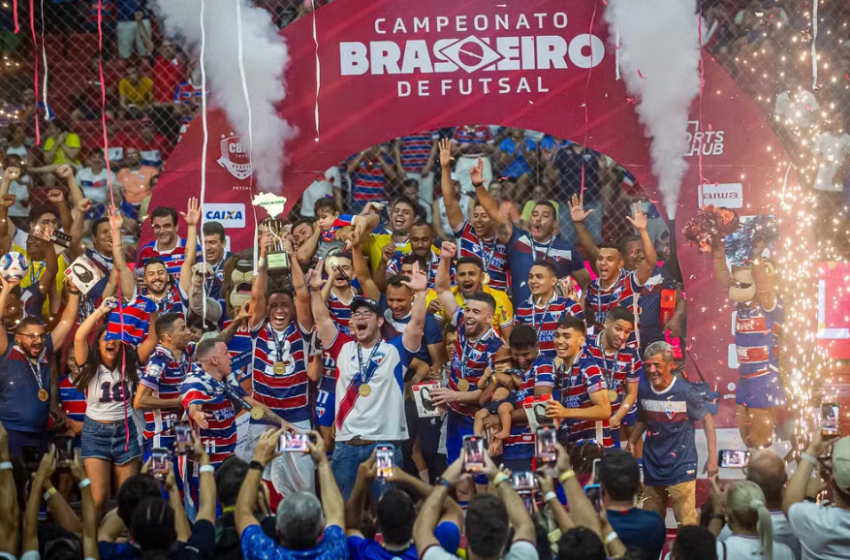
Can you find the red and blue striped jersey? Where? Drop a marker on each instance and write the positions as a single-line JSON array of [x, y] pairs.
[[493, 254], [369, 181], [623, 292], [241, 349], [285, 393], [583, 378], [73, 403], [756, 337], [189, 95], [478, 134], [163, 375], [174, 301], [520, 444], [343, 220], [340, 312], [415, 150], [625, 366], [544, 320], [134, 318], [173, 259], [470, 359], [394, 266], [200, 388]]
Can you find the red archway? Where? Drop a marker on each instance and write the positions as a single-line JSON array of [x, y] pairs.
[[389, 68]]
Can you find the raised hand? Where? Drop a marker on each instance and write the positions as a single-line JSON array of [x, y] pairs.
[[477, 173], [446, 158], [11, 174], [418, 280], [48, 464], [435, 306], [563, 461], [387, 252], [108, 305], [84, 206], [448, 250], [116, 222], [76, 466], [316, 444], [640, 220], [243, 313], [8, 200], [192, 215], [368, 469], [577, 212], [65, 172], [266, 449], [56, 196], [568, 288], [314, 276]]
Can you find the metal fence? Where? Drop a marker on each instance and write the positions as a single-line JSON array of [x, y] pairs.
[[151, 97]]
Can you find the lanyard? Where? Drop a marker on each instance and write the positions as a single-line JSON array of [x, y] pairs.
[[548, 248], [36, 371], [361, 375], [278, 344], [542, 318], [608, 372], [487, 257], [34, 276], [465, 348], [208, 284]]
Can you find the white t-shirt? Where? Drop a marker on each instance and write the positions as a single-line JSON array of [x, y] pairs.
[[833, 151], [782, 533], [824, 532], [464, 201], [105, 396], [20, 151], [745, 547], [95, 186], [520, 550], [21, 190], [320, 188]]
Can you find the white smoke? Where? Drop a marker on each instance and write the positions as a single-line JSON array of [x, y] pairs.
[[659, 58], [265, 56]]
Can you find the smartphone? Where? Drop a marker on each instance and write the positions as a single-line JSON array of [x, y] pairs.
[[31, 456], [523, 482], [182, 437], [546, 450], [294, 443], [474, 449], [595, 470], [733, 458], [829, 420], [64, 450], [384, 460], [594, 494], [160, 463]]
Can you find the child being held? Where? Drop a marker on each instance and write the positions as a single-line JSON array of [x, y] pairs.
[[499, 387], [330, 220]]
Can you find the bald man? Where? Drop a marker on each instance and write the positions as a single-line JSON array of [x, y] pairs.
[[767, 469]]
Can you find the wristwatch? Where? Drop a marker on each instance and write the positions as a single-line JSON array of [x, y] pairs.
[[256, 465]]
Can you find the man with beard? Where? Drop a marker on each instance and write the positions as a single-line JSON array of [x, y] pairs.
[[546, 306], [584, 406], [25, 375], [477, 343], [100, 255], [526, 248], [370, 377], [421, 239], [668, 408], [622, 368], [469, 276], [476, 237], [395, 234], [281, 327], [615, 285], [167, 245]]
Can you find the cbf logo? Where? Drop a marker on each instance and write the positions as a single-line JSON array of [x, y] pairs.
[[228, 215], [709, 141], [235, 157]]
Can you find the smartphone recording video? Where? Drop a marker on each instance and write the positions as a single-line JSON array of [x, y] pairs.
[[594, 494], [31, 456], [384, 460], [733, 458], [524, 482], [64, 449], [546, 450], [160, 463], [474, 448], [182, 437], [294, 443], [829, 420]]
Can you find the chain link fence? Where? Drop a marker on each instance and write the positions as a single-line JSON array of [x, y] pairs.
[[151, 98]]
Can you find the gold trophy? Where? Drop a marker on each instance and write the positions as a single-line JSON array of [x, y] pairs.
[[277, 258]]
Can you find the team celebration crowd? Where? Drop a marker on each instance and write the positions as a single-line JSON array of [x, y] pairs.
[[380, 384]]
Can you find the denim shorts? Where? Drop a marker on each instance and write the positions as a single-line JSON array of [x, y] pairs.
[[109, 441]]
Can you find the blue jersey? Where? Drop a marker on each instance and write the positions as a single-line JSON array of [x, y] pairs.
[[447, 534], [544, 320], [20, 381], [241, 349], [520, 444], [669, 452], [651, 329], [577, 384], [524, 251], [469, 360], [131, 322], [756, 337]]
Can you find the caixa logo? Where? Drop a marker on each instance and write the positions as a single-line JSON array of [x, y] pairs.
[[228, 215], [709, 141]]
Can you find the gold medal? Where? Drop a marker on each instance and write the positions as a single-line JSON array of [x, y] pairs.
[[257, 413], [279, 368], [463, 385], [612, 395], [486, 278], [365, 390], [43, 395]]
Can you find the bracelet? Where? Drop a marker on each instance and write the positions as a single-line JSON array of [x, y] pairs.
[[256, 465], [207, 468], [445, 483], [84, 482], [719, 516], [809, 457], [498, 479], [566, 476], [5, 466], [50, 491], [262, 262], [74, 293], [550, 496], [612, 536]]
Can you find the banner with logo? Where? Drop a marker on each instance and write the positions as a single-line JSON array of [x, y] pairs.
[[391, 68]]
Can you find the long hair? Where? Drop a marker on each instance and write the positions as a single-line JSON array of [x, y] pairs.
[[745, 500], [127, 358]]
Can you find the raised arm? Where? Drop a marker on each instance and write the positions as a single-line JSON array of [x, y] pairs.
[[579, 215], [429, 514], [765, 289], [412, 337], [81, 337], [258, 289], [192, 215], [547, 488], [504, 227], [78, 228], [581, 510], [331, 498], [363, 274], [89, 510], [46, 468], [795, 490], [57, 198], [302, 295], [305, 252], [264, 453], [453, 210], [10, 515], [7, 288], [69, 317], [380, 276], [321, 316], [520, 520], [74, 191], [206, 509], [126, 279], [356, 504], [181, 522], [443, 282], [643, 272]]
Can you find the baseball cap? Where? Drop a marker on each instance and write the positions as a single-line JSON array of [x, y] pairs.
[[841, 464], [361, 301]]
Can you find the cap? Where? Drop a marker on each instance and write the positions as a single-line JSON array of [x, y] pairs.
[[841, 464], [361, 301]]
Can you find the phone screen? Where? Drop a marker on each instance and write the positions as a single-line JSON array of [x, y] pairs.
[[31, 456], [474, 453], [594, 494], [64, 446], [734, 458], [160, 463], [182, 437], [595, 470], [523, 481], [546, 450], [829, 419], [384, 461], [293, 443]]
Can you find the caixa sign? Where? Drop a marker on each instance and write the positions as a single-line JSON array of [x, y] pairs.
[[228, 215]]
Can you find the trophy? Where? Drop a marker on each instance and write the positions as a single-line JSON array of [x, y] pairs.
[[277, 258]]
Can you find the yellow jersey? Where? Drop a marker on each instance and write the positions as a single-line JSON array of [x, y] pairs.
[[375, 246], [503, 317]]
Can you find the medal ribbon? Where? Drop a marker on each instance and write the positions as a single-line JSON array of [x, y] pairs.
[[542, 318], [279, 344], [36, 371], [548, 248], [607, 373], [352, 392]]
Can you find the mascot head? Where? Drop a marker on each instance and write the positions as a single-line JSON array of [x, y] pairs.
[[743, 289]]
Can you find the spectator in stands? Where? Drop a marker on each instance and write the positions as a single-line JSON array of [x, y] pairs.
[[410, 188], [327, 185], [15, 142], [538, 194], [442, 227], [136, 178], [29, 109], [94, 180], [60, 145], [372, 172], [415, 155], [118, 140], [168, 71], [133, 27], [20, 187], [135, 92], [187, 97], [155, 147], [468, 144], [508, 208], [569, 165], [86, 97], [517, 157]]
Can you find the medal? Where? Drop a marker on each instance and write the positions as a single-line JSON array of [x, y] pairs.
[[279, 368], [463, 385], [257, 413], [43, 395], [612, 395], [365, 390], [486, 278]]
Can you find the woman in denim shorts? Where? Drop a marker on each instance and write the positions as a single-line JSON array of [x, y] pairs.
[[109, 376]]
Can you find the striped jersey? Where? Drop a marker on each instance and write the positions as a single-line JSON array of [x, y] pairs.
[[622, 292], [470, 359], [583, 378], [493, 254], [520, 444], [174, 301], [477, 134], [669, 451], [285, 393], [756, 338], [132, 322], [73, 403], [200, 388], [394, 266], [340, 311], [343, 220], [173, 258], [524, 251], [164, 373], [189, 95], [370, 182], [241, 350], [544, 319], [624, 366], [415, 150]]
